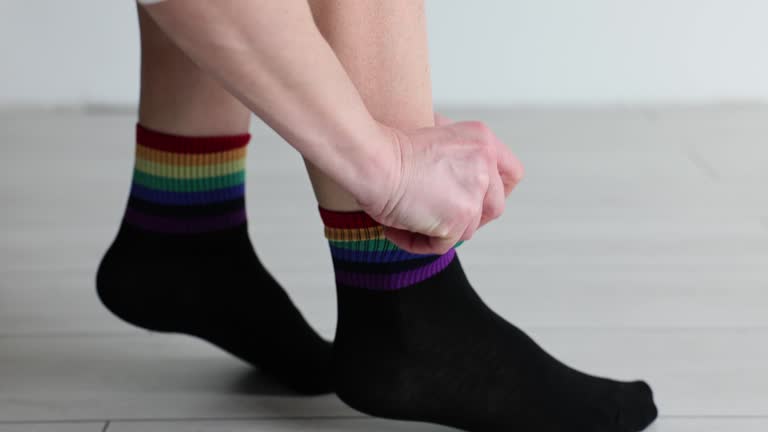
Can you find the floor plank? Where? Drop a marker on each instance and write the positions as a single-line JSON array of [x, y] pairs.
[[372, 425], [52, 427], [145, 377], [282, 425], [710, 425], [694, 373], [529, 294]]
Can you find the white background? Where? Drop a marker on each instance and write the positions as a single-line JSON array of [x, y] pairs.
[[485, 52]]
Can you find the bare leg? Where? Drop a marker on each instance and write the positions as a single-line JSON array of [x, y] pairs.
[[383, 47], [176, 96]]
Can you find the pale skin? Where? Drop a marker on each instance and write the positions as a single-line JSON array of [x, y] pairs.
[[383, 47], [347, 85]]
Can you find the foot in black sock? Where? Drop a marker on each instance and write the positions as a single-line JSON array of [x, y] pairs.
[[415, 342], [214, 288], [183, 262]]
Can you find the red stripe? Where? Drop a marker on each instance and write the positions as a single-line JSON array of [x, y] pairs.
[[335, 219], [188, 144]]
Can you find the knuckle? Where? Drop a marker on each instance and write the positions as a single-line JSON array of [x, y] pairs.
[[496, 211], [481, 128], [489, 153], [479, 131], [476, 144], [475, 125], [465, 212], [481, 178], [492, 210], [485, 134], [484, 152], [443, 231]]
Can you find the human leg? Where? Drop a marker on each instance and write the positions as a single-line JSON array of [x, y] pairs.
[[392, 77], [182, 260], [414, 341]]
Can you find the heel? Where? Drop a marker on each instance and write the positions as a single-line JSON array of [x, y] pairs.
[[131, 299]]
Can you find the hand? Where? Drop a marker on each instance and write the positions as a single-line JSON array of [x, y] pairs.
[[442, 184]]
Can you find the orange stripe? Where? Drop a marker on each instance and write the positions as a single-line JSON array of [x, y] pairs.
[[169, 158], [354, 234]]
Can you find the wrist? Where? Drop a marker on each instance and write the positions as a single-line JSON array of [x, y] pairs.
[[374, 160], [362, 156]]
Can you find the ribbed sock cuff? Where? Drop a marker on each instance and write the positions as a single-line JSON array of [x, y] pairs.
[[186, 184], [363, 257]]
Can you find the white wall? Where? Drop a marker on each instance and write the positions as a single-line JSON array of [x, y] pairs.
[[484, 52], [68, 52]]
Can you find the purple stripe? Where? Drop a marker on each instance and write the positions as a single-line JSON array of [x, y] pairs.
[[181, 198], [394, 255], [391, 282], [173, 225]]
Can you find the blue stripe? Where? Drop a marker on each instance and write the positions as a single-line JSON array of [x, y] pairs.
[[182, 198]]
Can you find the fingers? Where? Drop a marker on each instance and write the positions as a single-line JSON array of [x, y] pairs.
[[493, 203], [472, 227], [508, 165], [504, 171], [418, 243], [401, 238], [439, 245], [510, 168]]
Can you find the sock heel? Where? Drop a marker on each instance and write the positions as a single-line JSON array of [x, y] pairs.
[[130, 299], [369, 385]]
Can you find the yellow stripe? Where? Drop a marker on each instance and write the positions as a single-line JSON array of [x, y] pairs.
[[169, 158], [189, 171], [357, 234]]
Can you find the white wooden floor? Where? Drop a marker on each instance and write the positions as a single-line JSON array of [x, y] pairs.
[[637, 247]]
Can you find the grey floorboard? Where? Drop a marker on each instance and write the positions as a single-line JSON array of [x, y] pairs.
[[53, 427], [704, 372], [64, 302], [663, 425], [282, 425]]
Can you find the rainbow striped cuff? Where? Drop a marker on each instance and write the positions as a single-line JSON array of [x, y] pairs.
[[187, 185], [364, 258]]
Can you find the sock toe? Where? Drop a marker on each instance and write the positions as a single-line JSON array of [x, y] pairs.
[[636, 410]]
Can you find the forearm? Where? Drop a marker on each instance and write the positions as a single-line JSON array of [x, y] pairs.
[[271, 56]]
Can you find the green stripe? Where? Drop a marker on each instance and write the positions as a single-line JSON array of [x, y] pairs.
[[371, 245], [189, 171], [365, 245], [188, 185]]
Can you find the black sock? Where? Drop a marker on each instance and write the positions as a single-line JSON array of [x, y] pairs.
[[415, 342], [183, 262]]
